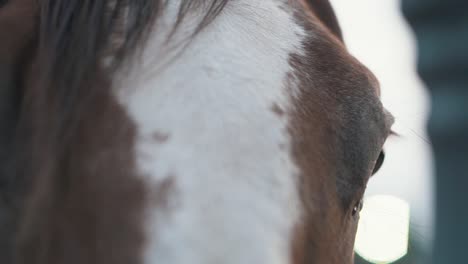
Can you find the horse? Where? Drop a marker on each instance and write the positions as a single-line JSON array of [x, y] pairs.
[[182, 131]]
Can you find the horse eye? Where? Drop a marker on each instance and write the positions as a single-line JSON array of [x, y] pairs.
[[3, 2], [358, 207], [379, 162]]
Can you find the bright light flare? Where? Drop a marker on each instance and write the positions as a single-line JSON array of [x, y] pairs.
[[383, 231]]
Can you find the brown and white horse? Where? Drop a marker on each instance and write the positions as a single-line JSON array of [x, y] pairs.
[[182, 132]]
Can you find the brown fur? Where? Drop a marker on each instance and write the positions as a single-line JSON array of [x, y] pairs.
[[87, 202], [324, 12], [338, 128], [277, 110]]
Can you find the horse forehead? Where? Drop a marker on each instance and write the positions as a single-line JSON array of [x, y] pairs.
[[211, 120]]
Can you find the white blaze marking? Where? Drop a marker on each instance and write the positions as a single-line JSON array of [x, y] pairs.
[[235, 198]]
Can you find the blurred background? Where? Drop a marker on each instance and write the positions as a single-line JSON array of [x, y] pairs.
[[378, 35]]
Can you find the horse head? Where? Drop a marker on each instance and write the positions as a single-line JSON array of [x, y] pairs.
[[203, 131]]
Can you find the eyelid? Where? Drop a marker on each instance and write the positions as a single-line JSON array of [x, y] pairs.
[[379, 162]]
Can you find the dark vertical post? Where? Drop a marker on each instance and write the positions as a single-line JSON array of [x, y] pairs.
[[441, 29]]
